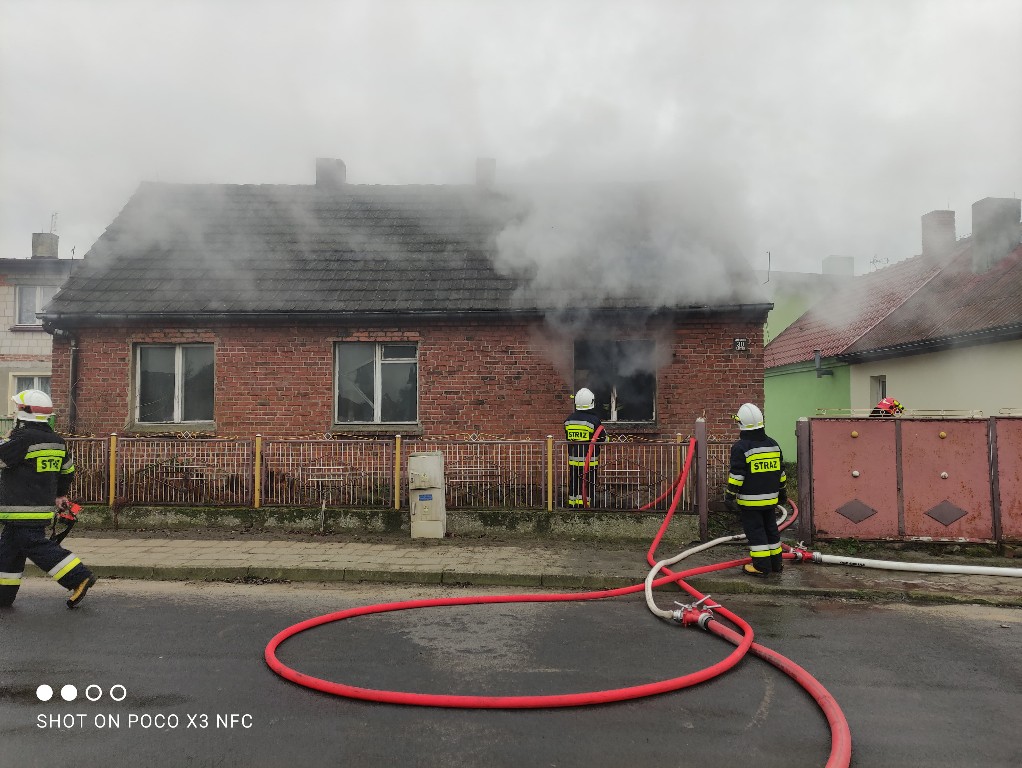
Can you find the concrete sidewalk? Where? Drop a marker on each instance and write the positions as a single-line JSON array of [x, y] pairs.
[[547, 564]]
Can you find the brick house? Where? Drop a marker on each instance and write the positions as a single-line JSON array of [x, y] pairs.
[[26, 285], [341, 309]]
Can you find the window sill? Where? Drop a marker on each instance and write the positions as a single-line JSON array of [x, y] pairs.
[[376, 429], [150, 428], [28, 328]]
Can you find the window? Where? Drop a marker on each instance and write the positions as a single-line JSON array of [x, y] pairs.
[[376, 383], [31, 299], [175, 383], [23, 382], [877, 389], [19, 382], [622, 375]]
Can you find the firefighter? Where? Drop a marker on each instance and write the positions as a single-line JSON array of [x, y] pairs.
[[886, 408], [36, 471], [579, 428], [755, 487]]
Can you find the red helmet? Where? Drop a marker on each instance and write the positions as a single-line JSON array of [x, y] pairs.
[[890, 406]]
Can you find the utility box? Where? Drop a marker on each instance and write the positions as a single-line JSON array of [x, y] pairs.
[[426, 495]]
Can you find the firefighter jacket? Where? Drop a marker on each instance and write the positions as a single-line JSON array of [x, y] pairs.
[[579, 429], [35, 469], [756, 477]]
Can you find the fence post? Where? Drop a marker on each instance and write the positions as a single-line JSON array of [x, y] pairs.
[[397, 472], [700, 462], [258, 499], [549, 473], [113, 468]]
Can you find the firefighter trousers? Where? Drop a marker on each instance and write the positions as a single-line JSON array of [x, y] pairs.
[[19, 543], [576, 473], [760, 527]]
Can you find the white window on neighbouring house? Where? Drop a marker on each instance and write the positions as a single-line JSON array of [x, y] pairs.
[[174, 383], [31, 299], [376, 383], [622, 375], [877, 389]]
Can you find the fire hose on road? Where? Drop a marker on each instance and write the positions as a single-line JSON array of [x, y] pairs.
[[701, 612]]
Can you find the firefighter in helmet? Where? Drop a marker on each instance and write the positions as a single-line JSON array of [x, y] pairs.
[[755, 487], [886, 408], [36, 471], [579, 429]]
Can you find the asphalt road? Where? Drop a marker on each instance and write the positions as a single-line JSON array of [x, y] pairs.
[[178, 678]]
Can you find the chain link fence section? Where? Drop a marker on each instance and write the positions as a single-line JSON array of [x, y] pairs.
[[185, 472], [328, 473]]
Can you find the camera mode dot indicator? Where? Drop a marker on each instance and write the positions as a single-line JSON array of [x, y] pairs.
[[44, 693]]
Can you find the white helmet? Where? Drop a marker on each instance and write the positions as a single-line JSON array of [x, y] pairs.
[[585, 399], [33, 405], [749, 417]]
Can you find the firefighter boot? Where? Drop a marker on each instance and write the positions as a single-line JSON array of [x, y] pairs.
[[777, 563], [78, 593], [752, 570]]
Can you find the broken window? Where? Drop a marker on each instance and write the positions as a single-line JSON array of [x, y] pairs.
[[376, 383], [174, 383], [622, 375]]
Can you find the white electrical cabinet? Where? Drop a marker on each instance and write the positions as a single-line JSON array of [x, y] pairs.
[[426, 495]]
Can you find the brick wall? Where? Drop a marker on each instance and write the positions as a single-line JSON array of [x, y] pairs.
[[512, 380]]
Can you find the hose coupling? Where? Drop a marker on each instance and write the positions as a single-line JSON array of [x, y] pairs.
[[691, 613], [804, 554]]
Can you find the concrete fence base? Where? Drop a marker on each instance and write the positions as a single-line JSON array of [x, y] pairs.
[[638, 527]]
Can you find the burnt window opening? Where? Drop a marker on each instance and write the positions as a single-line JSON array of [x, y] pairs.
[[622, 375]]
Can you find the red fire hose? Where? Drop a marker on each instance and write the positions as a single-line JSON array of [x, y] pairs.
[[840, 756]]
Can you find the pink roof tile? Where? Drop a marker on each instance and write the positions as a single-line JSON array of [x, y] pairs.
[[836, 323]]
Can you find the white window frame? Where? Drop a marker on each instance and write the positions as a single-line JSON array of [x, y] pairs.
[[178, 382], [40, 302], [378, 363]]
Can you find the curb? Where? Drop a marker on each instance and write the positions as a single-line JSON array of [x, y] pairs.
[[558, 581]]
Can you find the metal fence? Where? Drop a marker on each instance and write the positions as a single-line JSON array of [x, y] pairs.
[[371, 473]]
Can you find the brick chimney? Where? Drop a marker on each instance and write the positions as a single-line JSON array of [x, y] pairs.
[[330, 173], [939, 234], [995, 230], [44, 245]]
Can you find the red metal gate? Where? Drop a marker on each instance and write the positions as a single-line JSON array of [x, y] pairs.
[[913, 478]]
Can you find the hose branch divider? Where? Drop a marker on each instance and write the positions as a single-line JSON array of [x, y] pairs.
[[701, 613]]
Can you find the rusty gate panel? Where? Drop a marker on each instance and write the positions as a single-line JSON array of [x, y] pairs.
[[1009, 475], [855, 480], [946, 479]]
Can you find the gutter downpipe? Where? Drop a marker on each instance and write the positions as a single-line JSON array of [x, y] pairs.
[[72, 388]]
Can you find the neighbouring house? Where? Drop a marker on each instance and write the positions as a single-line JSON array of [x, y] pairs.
[[941, 331], [336, 309], [26, 286], [793, 293]]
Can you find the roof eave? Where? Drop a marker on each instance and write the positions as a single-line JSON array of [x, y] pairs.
[[68, 320], [925, 346]]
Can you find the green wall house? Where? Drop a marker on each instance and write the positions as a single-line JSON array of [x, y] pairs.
[[793, 391]]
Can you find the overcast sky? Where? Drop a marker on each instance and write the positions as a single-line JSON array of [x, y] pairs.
[[820, 128]]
